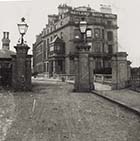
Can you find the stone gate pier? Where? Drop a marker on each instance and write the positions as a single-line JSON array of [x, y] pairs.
[[21, 70], [121, 73], [83, 70]]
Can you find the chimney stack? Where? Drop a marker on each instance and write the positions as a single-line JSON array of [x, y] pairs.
[[105, 8], [5, 41]]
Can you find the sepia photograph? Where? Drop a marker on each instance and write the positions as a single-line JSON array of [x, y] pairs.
[[69, 70]]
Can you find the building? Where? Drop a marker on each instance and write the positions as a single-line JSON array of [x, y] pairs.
[[6, 61], [56, 45]]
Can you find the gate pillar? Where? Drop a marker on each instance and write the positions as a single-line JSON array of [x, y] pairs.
[[120, 71], [21, 80], [83, 70]]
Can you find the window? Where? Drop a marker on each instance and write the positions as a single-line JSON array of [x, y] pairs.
[[63, 16], [47, 41], [90, 44], [97, 33], [109, 22], [77, 34], [103, 33], [107, 64], [57, 48], [51, 38], [51, 29], [88, 33], [110, 49], [60, 66], [110, 36], [47, 31], [97, 47], [51, 48], [47, 67], [61, 23], [103, 46], [98, 64], [61, 35]]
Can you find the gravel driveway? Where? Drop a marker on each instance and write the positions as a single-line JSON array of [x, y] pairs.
[[52, 112]]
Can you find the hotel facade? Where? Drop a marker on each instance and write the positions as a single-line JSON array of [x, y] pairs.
[[55, 46]]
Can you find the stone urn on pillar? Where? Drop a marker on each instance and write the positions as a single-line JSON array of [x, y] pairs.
[[83, 64], [22, 62]]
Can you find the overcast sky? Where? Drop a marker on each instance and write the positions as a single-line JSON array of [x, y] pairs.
[[36, 11]]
